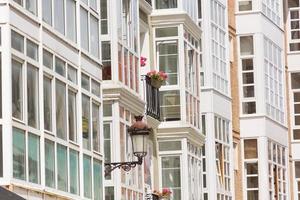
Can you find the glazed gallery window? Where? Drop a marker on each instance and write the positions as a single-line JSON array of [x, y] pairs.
[[49, 163], [167, 53], [30, 5], [170, 169], [170, 105], [47, 104], [89, 32], [62, 168], [251, 168], [17, 90], [165, 4], [32, 96], [61, 117], [297, 175], [30, 171], [245, 5], [248, 78], [64, 14], [295, 83], [86, 119]]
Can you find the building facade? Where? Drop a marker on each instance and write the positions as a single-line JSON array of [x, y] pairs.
[[51, 106]]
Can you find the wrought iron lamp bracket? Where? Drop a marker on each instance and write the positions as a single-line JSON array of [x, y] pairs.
[[126, 166]]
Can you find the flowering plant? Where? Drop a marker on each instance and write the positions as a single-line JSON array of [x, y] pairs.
[[143, 61], [160, 76], [166, 192]]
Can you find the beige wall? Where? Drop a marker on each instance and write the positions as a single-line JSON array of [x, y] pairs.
[[235, 99]]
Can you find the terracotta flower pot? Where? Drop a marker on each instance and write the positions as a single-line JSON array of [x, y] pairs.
[[156, 83]]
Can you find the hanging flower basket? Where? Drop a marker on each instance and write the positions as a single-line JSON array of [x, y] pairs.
[[157, 78], [156, 83], [164, 195]]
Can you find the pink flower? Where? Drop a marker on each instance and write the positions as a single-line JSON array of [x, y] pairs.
[[143, 61]]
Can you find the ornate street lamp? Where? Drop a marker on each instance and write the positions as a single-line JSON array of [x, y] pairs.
[[139, 133]]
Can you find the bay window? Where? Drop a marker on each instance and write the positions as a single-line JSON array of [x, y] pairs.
[[171, 175], [251, 169], [62, 168], [165, 4], [32, 96], [61, 129], [17, 90], [248, 76]]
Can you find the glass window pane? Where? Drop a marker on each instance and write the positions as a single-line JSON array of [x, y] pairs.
[[170, 146], [297, 97], [249, 107], [19, 165], [96, 88], [61, 127], [250, 149], [103, 15], [59, 16], [60, 66], [165, 4], [252, 195], [74, 172], [87, 176], [49, 164], [170, 105], [47, 104], [17, 90], [168, 61], [17, 41], [252, 182], [72, 116], [166, 32], [31, 6], [94, 26], [32, 50], [47, 11], [62, 168], [246, 45], [295, 79], [93, 5], [109, 193], [32, 96], [86, 122], [97, 167], [107, 110], [96, 127], [71, 20], [245, 5], [72, 74], [47, 59], [296, 134], [84, 32], [85, 82], [297, 169], [34, 158], [107, 142], [251, 168], [247, 64]]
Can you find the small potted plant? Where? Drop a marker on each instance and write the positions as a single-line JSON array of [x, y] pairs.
[[164, 195], [157, 78]]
